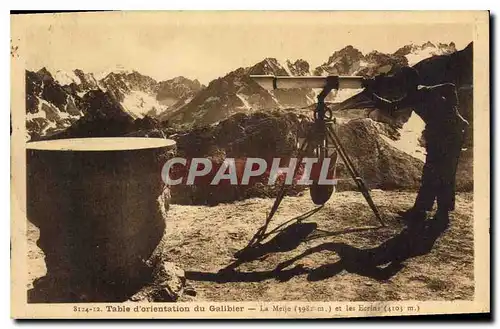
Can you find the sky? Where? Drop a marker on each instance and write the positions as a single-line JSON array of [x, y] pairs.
[[206, 46]]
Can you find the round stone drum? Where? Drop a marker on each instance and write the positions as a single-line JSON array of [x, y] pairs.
[[100, 205]]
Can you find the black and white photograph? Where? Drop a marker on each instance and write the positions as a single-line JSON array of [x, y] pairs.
[[250, 164]]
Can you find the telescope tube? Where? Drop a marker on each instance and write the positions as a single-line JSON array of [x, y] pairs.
[[271, 82]]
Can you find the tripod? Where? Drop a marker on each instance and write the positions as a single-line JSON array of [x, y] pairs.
[[319, 137]]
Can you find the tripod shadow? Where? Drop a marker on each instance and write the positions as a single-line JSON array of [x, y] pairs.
[[287, 239], [381, 262]]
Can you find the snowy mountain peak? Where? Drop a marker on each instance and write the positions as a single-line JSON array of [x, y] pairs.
[[118, 69], [347, 53], [416, 53], [87, 80], [44, 74], [171, 91], [345, 61], [269, 66], [66, 78], [428, 44], [55, 101], [299, 68], [181, 79]]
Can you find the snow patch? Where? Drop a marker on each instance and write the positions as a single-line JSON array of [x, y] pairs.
[[66, 78], [185, 102], [138, 104], [426, 51], [343, 94], [117, 69], [287, 69], [246, 104], [212, 99], [363, 63], [274, 98], [55, 114], [274, 67], [310, 100], [49, 125], [409, 140], [31, 116], [414, 58]]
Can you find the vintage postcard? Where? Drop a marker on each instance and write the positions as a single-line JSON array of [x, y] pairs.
[[250, 164]]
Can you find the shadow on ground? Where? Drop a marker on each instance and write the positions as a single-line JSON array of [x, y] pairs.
[[380, 263]]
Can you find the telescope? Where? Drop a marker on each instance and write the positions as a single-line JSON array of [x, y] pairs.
[[379, 84], [320, 135], [271, 82], [368, 87]]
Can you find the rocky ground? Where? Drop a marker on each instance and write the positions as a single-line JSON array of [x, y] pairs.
[[202, 240]]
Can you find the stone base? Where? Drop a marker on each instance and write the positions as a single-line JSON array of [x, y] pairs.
[[100, 205]]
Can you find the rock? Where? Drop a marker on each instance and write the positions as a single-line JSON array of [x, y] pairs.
[[171, 276], [113, 213], [381, 165], [168, 284], [343, 62], [177, 88], [236, 92], [49, 107], [299, 68], [262, 134]]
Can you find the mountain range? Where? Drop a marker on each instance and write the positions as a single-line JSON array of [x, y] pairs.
[[118, 101]]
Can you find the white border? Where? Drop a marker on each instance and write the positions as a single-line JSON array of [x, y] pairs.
[[193, 4]]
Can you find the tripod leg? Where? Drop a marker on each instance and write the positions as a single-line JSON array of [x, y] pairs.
[[354, 174], [283, 189], [281, 193]]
